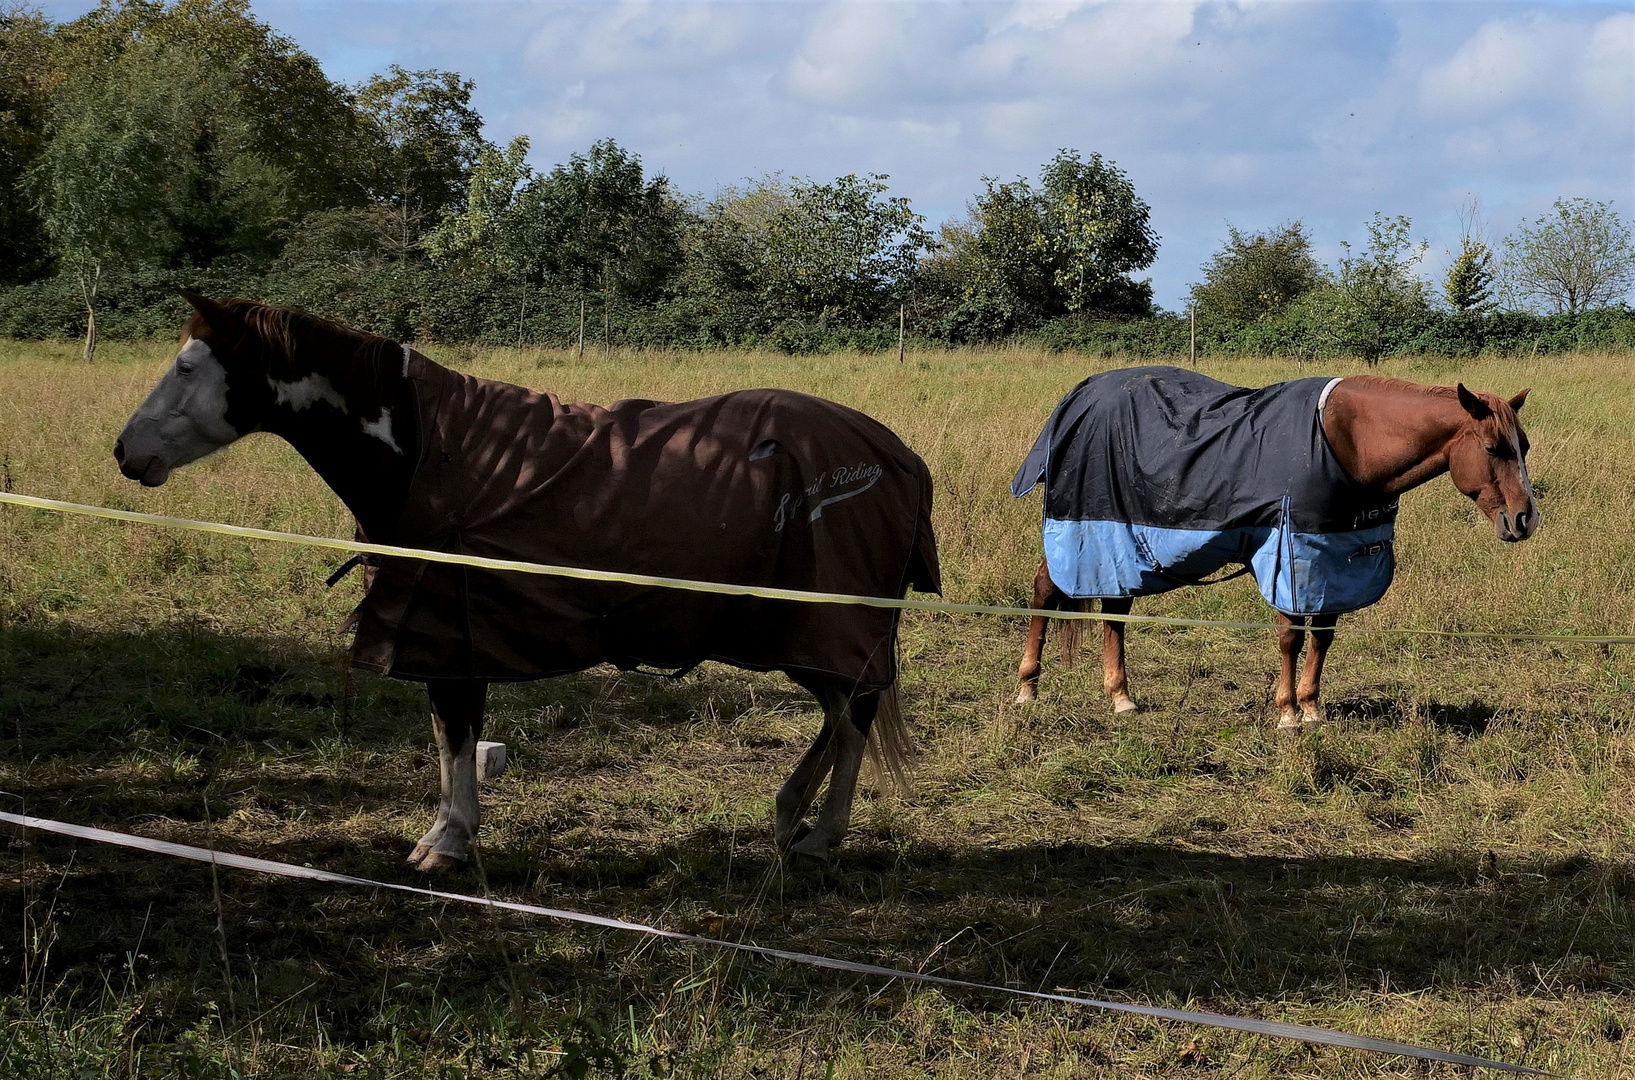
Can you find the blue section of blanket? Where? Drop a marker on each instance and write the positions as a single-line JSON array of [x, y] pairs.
[[1298, 573]]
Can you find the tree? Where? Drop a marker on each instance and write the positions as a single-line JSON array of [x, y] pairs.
[[487, 228], [27, 75], [104, 180], [1025, 255], [1577, 257], [841, 251], [1468, 284], [597, 224], [181, 134], [426, 140], [840, 254], [248, 133], [1097, 232], [1257, 275], [1379, 285]]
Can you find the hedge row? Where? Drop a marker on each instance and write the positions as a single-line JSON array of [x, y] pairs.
[[417, 303]]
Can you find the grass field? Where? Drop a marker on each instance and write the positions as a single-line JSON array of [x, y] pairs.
[[1446, 863]]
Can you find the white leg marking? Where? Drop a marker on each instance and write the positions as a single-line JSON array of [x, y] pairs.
[[836, 816], [452, 833], [439, 825], [463, 812]]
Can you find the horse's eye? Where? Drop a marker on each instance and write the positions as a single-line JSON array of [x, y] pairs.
[[186, 370], [1501, 451]]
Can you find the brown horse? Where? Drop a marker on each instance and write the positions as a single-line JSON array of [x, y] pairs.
[[1388, 437], [758, 487]]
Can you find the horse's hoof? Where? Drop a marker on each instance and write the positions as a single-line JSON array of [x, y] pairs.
[[418, 855], [435, 862], [789, 839], [1123, 706], [1313, 717], [810, 846], [1026, 696]]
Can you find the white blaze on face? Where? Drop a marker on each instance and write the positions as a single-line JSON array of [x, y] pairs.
[[1526, 482], [183, 419]]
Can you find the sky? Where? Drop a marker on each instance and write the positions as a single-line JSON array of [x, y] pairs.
[[1251, 113]]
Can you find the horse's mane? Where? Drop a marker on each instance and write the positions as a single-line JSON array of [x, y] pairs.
[[1501, 408], [280, 332], [1385, 382]]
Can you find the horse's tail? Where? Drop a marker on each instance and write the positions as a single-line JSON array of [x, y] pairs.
[[891, 747], [1071, 633]]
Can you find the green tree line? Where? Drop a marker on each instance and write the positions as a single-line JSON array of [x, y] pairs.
[[150, 143]]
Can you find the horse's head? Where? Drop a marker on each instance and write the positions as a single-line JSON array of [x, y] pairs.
[[217, 391], [1487, 460]]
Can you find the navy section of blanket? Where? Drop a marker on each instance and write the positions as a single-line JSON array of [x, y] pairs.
[[757, 487], [1157, 477]]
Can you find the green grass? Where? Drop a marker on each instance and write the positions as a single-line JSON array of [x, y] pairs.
[[1447, 863]]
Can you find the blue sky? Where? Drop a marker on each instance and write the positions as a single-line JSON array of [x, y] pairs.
[[1252, 113]]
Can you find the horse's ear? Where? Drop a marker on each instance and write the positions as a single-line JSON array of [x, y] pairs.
[[1519, 400], [215, 316], [1473, 404]]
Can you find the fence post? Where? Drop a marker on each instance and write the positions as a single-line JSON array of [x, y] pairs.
[[1193, 309], [902, 322]]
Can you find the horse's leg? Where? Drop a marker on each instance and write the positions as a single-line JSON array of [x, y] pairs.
[[1311, 677], [1045, 596], [797, 793], [851, 735], [1114, 679], [457, 723], [1291, 640]]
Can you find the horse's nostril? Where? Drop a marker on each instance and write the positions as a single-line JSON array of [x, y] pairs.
[[119, 451]]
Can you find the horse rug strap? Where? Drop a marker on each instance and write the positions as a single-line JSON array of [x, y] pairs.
[[757, 487], [1156, 477]]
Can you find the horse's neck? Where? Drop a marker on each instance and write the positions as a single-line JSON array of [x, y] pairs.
[[354, 420], [1391, 436]]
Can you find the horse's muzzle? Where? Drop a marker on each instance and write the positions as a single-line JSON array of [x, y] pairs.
[[1514, 528], [149, 471]]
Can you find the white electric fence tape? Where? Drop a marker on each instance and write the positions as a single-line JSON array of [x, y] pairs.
[[725, 589], [1275, 1028]]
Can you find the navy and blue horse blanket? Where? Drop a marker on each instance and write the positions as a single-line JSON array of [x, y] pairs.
[[1157, 477]]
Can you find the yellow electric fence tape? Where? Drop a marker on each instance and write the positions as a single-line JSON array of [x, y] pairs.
[[724, 589]]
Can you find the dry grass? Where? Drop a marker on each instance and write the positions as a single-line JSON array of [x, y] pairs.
[[1448, 863]]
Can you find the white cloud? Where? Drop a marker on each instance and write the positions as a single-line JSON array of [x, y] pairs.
[[1535, 59]]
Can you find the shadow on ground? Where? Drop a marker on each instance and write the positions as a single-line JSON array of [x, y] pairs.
[[113, 736]]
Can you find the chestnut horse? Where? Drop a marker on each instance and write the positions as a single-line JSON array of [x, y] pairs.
[[427, 457], [1389, 437]]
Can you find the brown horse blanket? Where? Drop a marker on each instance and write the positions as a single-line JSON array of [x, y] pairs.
[[757, 487]]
